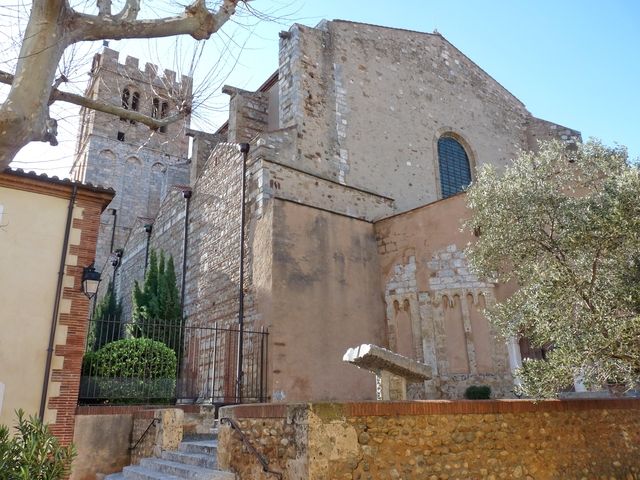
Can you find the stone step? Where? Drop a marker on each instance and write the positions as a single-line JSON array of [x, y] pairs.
[[115, 476], [197, 459], [204, 447], [197, 437], [137, 472], [181, 470]]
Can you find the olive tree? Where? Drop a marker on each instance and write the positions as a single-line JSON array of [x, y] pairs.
[[53, 26], [564, 224]]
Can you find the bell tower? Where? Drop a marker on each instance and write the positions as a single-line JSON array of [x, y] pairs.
[[138, 163]]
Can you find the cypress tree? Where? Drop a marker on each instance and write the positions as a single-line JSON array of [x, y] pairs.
[[156, 305], [106, 327]]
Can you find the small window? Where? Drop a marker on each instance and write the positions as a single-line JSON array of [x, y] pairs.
[[164, 111], [121, 136], [455, 172]]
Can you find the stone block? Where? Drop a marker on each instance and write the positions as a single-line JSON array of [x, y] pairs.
[[376, 359]]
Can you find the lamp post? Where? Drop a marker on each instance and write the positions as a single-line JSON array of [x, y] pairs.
[[90, 281], [244, 149]]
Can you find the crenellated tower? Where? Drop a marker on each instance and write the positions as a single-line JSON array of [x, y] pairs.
[[138, 163]]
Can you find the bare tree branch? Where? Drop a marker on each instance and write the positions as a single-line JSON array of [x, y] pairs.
[[82, 101], [104, 8], [153, 123], [129, 11], [6, 78], [196, 21]]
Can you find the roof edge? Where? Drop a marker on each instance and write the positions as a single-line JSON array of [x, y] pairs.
[[43, 177]]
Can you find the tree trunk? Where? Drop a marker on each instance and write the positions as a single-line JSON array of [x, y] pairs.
[[53, 26], [24, 116]]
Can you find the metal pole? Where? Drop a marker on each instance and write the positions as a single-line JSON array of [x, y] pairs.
[[213, 364], [244, 149], [187, 196], [147, 228], [262, 361], [114, 212]]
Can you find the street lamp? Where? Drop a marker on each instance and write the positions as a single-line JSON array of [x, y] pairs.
[[90, 281]]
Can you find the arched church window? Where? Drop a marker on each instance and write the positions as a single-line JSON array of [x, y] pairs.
[[135, 104], [126, 95], [453, 162], [135, 101], [155, 107]]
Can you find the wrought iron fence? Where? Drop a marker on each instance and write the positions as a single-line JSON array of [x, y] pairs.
[[156, 362]]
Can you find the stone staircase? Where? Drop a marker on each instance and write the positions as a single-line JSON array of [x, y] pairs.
[[194, 460]]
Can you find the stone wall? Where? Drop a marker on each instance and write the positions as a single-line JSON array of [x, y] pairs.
[[279, 176], [102, 443], [248, 115], [541, 130], [106, 436], [167, 236], [543, 440], [280, 436], [434, 304], [213, 255], [369, 103], [325, 299], [202, 146]]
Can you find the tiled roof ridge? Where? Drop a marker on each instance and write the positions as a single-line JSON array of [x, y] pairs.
[[55, 179]]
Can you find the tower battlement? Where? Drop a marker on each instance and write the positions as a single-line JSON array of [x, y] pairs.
[[152, 75]]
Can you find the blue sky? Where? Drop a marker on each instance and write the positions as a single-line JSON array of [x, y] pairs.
[[576, 63]]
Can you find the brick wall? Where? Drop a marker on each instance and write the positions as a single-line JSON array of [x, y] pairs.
[[65, 374]]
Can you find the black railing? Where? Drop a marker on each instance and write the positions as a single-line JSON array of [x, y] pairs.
[[162, 363]]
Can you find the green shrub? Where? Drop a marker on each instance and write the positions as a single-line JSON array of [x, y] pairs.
[[33, 453], [478, 392], [134, 369]]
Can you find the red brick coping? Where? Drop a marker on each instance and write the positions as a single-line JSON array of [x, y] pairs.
[[130, 409], [432, 407]]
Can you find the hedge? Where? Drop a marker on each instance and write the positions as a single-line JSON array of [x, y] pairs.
[[132, 369]]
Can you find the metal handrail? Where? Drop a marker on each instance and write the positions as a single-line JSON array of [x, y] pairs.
[[261, 458], [144, 434]]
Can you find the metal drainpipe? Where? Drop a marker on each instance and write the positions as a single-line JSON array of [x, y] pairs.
[[147, 228], [56, 304], [187, 195], [115, 263], [114, 212], [244, 149]]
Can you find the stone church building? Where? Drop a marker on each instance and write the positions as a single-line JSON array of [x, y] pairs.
[[360, 144]]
